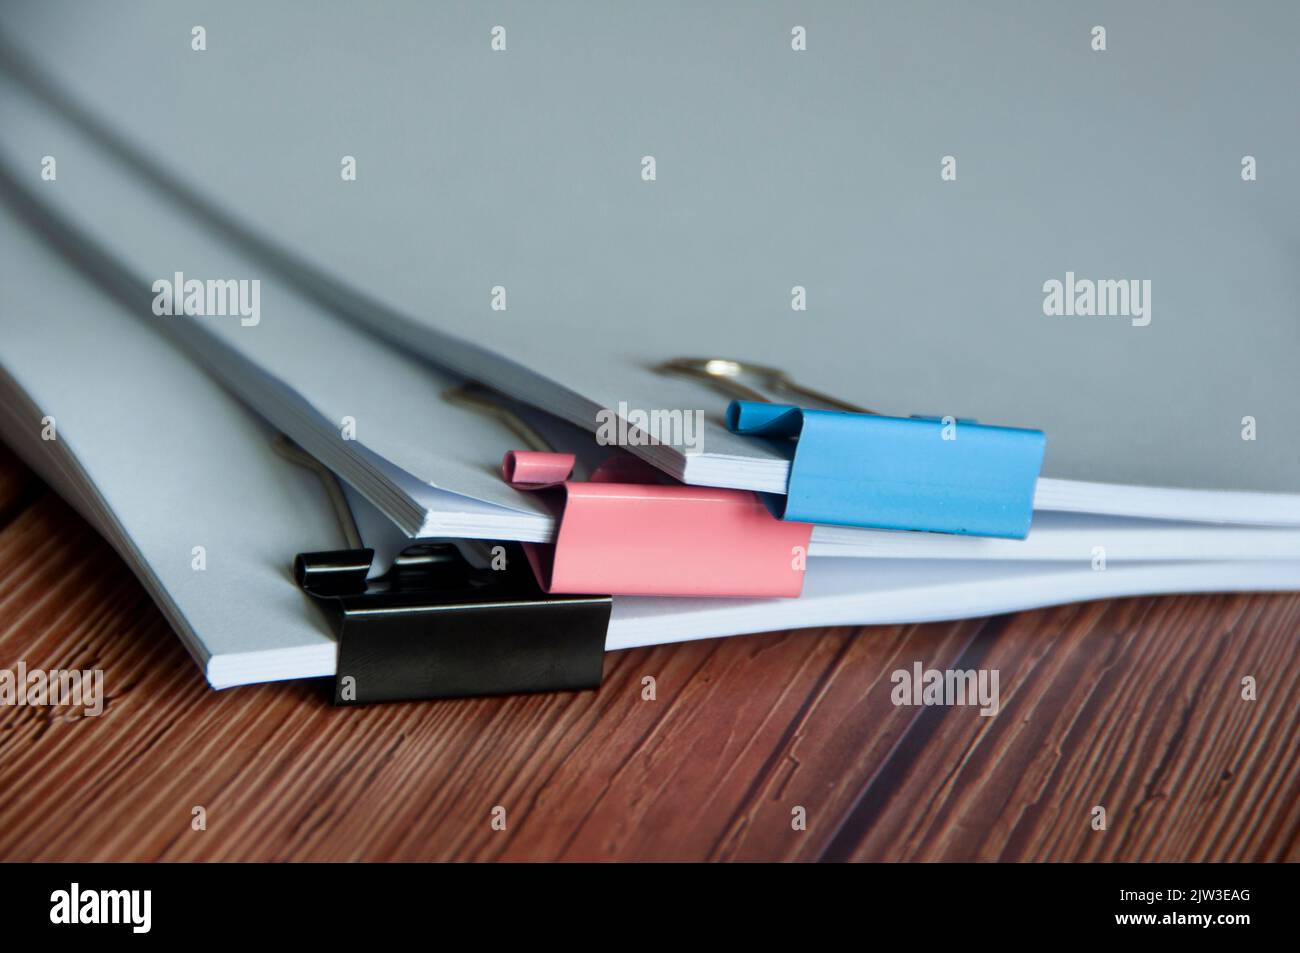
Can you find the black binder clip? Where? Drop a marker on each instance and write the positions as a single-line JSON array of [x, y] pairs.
[[434, 626], [437, 626]]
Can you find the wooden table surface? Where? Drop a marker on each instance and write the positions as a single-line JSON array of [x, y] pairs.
[[1133, 705]]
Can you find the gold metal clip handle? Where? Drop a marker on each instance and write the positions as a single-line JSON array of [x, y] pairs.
[[333, 489], [725, 374], [485, 400]]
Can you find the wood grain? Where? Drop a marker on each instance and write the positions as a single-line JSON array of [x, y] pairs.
[[1132, 705]]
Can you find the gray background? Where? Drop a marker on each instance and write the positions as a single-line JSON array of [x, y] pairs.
[[775, 168]]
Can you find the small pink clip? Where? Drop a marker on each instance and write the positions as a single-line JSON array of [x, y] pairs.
[[624, 532]]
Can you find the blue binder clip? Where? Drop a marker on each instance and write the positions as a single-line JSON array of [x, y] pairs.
[[853, 467]]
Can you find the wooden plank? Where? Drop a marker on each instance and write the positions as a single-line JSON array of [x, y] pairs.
[[1133, 704], [764, 716]]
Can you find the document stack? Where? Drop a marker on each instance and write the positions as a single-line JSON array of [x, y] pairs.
[[449, 378]]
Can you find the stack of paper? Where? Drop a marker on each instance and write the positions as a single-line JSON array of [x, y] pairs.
[[170, 303]]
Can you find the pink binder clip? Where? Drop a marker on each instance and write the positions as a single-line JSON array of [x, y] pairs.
[[625, 532]]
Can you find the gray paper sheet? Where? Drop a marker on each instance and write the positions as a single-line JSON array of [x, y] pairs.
[[819, 168]]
